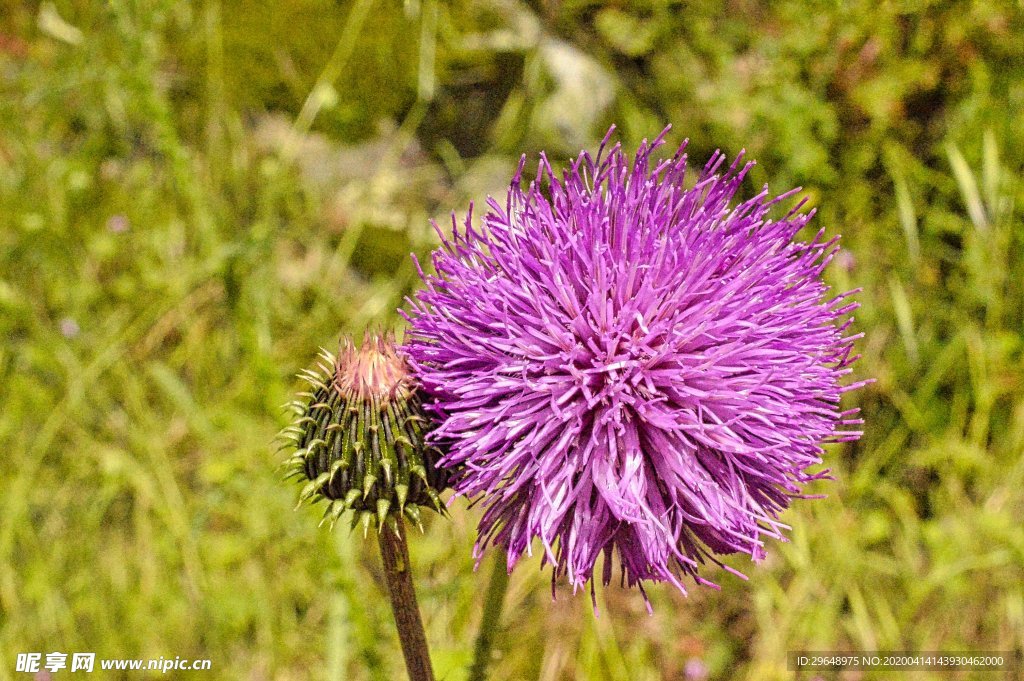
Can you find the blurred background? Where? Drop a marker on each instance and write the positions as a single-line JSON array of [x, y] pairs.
[[195, 196]]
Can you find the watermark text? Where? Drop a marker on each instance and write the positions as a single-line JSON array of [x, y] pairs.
[[32, 663]]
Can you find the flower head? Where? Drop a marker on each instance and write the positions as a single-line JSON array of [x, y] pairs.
[[625, 366], [359, 436]]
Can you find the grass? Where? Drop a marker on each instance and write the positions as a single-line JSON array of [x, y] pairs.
[[193, 197]]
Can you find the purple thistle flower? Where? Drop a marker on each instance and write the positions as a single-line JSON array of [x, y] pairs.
[[624, 366]]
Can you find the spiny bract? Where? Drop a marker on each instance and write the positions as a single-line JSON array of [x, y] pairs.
[[625, 366], [359, 437]]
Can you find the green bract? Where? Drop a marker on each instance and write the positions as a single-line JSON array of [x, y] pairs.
[[359, 435]]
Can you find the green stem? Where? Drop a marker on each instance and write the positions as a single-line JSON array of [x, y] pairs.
[[394, 553], [493, 602]]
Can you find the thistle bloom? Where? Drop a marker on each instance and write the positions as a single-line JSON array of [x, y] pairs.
[[623, 366]]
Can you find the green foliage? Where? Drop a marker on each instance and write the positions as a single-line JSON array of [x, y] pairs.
[[195, 196]]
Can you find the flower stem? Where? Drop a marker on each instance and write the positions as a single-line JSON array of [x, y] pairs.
[[394, 553], [493, 601]]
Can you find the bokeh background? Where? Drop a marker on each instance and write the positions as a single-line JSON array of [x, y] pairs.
[[195, 196]]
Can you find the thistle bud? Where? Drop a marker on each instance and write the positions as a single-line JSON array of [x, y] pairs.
[[359, 438]]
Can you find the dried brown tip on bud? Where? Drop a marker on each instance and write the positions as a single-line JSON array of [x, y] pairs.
[[375, 370]]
